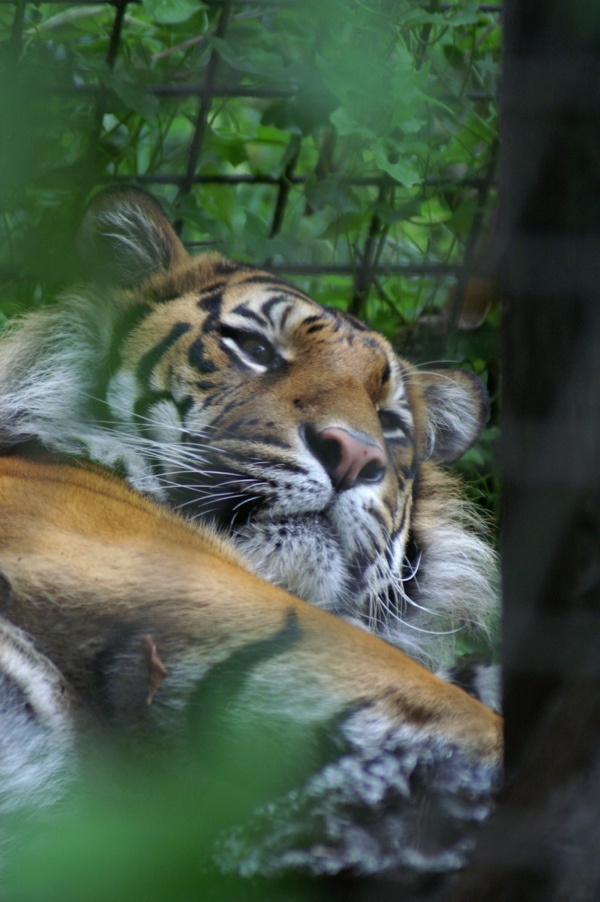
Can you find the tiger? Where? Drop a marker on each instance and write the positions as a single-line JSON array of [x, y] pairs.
[[200, 467]]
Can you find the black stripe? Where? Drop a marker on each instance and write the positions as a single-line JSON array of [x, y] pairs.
[[286, 748], [231, 405], [349, 319], [109, 684], [227, 267], [5, 590], [283, 297], [267, 279], [373, 343], [123, 328], [226, 680], [285, 315], [198, 359], [184, 406], [17, 704], [337, 323], [271, 442], [412, 470], [240, 427], [217, 394], [282, 465], [151, 357], [241, 310], [401, 525], [257, 421], [375, 515], [126, 324], [417, 487], [408, 471], [211, 300], [277, 299]]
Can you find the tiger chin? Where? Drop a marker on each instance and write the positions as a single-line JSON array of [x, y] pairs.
[[198, 458]]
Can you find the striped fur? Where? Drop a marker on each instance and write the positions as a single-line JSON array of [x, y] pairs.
[[218, 392], [161, 382], [142, 611]]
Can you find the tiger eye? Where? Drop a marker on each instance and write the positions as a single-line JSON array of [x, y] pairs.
[[257, 348], [390, 421]]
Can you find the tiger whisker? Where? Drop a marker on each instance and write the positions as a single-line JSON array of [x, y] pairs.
[[414, 570], [395, 615], [234, 480], [211, 498], [247, 500]]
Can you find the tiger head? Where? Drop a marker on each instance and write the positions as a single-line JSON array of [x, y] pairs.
[[231, 396]]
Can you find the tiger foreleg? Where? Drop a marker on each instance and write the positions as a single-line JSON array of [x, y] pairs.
[[118, 592]]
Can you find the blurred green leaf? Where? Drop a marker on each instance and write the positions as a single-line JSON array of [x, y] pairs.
[[170, 12], [401, 170]]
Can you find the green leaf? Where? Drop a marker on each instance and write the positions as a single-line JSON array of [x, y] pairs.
[[170, 12], [466, 14], [133, 94], [232, 56], [347, 125], [332, 192], [390, 215], [401, 170], [72, 22]]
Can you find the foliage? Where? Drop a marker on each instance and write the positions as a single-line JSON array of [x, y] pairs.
[[378, 90], [137, 824]]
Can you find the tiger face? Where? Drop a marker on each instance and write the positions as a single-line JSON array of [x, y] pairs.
[[232, 397], [287, 425]]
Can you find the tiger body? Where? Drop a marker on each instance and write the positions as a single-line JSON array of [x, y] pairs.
[[230, 466]]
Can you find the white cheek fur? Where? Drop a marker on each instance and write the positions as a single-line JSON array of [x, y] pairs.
[[121, 395], [165, 422]]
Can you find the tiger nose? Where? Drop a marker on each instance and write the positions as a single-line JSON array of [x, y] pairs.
[[348, 459]]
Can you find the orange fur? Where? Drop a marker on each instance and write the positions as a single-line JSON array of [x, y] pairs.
[[81, 579]]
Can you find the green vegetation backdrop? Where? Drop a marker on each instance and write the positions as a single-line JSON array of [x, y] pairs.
[[350, 145]]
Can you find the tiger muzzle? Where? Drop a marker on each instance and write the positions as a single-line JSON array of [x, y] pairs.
[[348, 458]]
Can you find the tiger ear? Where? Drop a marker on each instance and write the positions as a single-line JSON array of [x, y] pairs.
[[457, 405], [125, 237]]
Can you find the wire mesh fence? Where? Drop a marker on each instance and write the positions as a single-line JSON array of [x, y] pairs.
[[353, 147]]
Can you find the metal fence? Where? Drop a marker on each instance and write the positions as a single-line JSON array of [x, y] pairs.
[[205, 86]]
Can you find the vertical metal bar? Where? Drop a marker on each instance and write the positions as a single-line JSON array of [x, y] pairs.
[[365, 272], [111, 56], [285, 184], [16, 34], [115, 35], [537, 845], [92, 155], [202, 117]]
